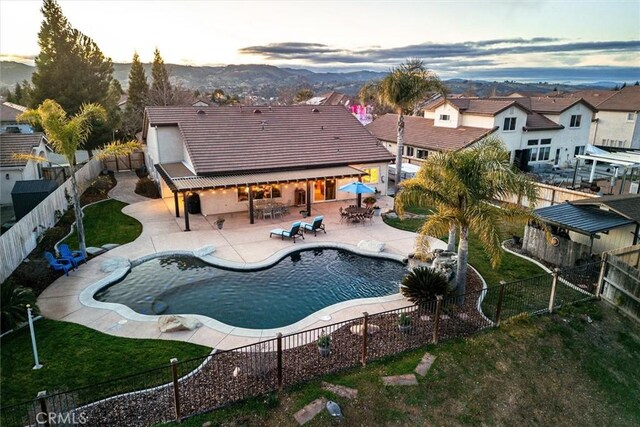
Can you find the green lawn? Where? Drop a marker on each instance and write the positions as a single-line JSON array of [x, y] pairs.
[[556, 370], [105, 223], [74, 356]]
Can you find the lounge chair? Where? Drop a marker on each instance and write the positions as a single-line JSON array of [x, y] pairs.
[[292, 233], [76, 257], [60, 264], [315, 226]]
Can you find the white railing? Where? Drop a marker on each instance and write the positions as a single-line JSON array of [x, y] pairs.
[[22, 238]]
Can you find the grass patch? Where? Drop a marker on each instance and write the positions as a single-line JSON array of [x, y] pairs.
[[547, 370], [105, 223], [75, 356]]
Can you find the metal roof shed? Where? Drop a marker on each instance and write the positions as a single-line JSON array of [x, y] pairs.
[[26, 195]]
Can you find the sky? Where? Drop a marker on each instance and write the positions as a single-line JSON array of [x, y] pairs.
[[505, 40]]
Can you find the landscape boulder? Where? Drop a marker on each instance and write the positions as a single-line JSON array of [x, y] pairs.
[[371, 245], [172, 323]]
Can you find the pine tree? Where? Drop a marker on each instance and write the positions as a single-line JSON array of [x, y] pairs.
[[138, 94], [161, 92], [17, 94]]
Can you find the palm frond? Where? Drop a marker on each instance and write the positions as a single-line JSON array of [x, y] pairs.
[[117, 148]]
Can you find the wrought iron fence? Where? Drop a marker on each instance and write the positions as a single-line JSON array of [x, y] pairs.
[[185, 388]]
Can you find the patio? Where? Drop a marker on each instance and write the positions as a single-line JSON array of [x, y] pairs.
[[238, 241]]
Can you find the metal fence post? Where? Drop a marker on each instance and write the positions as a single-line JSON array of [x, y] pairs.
[[436, 325], [42, 398], [500, 301], [602, 275], [365, 333], [554, 286], [176, 389], [279, 343]]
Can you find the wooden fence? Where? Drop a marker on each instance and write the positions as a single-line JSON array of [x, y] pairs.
[[549, 195], [130, 161], [22, 238], [620, 280]]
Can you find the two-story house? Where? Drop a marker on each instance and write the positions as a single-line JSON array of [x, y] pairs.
[[233, 157], [535, 130], [11, 169]]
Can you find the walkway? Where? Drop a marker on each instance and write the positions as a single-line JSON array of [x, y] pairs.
[[238, 241]]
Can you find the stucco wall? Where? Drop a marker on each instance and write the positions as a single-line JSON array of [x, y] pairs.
[[614, 130], [447, 109], [616, 238]]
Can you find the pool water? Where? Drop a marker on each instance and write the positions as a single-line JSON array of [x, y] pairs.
[[286, 292]]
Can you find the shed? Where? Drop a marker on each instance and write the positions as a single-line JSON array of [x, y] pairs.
[[26, 195]]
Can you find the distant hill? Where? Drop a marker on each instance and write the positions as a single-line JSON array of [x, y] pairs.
[[267, 80]]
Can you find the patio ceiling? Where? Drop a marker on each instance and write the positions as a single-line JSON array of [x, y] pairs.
[[181, 179]]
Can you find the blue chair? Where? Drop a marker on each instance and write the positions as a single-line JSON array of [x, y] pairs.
[[60, 264], [292, 233], [315, 226], [76, 257]]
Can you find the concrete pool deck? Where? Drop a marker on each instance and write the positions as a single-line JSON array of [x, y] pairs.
[[238, 241]]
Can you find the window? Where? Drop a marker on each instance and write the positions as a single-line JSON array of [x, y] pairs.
[[631, 117], [540, 150], [546, 141], [408, 151], [260, 192], [422, 154], [543, 153], [533, 155], [372, 177], [575, 121], [579, 150], [445, 117], [509, 124], [532, 142]]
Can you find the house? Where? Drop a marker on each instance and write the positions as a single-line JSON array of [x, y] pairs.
[[616, 122], [13, 170], [584, 227], [330, 98], [9, 113], [233, 156], [536, 130]]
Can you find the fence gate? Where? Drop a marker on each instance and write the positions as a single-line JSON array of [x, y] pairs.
[[620, 280], [131, 161]]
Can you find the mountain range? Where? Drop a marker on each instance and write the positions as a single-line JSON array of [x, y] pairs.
[[268, 81]]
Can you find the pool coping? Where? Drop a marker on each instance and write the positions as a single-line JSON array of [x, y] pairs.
[[204, 254]]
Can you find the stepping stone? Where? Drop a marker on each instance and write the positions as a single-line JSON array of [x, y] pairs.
[[444, 317], [340, 390], [425, 364], [463, 316], [110, 246], [93, 251], [407, 379], [307, 413]]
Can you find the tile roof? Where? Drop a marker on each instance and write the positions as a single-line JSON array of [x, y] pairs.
[[420, 132], [489, 106], [18, 143], [582, 219], [594, 97], [536, 121], [238, 139], [626, 99], [9, 111], [552, 105], [627, 205]]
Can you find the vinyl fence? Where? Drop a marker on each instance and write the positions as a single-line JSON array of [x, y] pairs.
[[22, 238], [182, 389], [549, 195]]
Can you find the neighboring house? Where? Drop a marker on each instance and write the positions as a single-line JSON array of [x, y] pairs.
[[536, 130], [233, 156], [584, 227], [9, 113], [12, 170], [616, 124], [330, 98], [202, 102]]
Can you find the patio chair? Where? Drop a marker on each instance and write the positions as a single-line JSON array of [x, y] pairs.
[[343, 214], [60, 264], [267, 211], [292, 233], [315, 226], [276, 211], [76, 257]]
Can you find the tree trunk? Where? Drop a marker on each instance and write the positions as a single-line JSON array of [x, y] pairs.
[[400, 143], [463, 260], [78, 212], [451, 242]]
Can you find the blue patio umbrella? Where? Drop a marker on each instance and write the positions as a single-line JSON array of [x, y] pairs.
[[358, 188]]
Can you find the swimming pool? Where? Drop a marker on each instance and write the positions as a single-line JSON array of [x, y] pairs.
[[298, 285]]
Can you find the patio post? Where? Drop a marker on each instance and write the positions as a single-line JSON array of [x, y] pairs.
[[177, 203], [186, 212], [251, 220], [308, 198]]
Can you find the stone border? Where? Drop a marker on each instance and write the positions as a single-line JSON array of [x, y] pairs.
[[324, 314], [539, 264]]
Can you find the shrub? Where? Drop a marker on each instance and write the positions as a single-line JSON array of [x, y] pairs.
[[404, 320], [369, 200], [422, 285], [13, 300], [147, 188], [324, 340]]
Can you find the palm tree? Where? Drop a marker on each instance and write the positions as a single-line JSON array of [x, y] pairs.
[[460, 187], [68, 134], [403, 89]]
